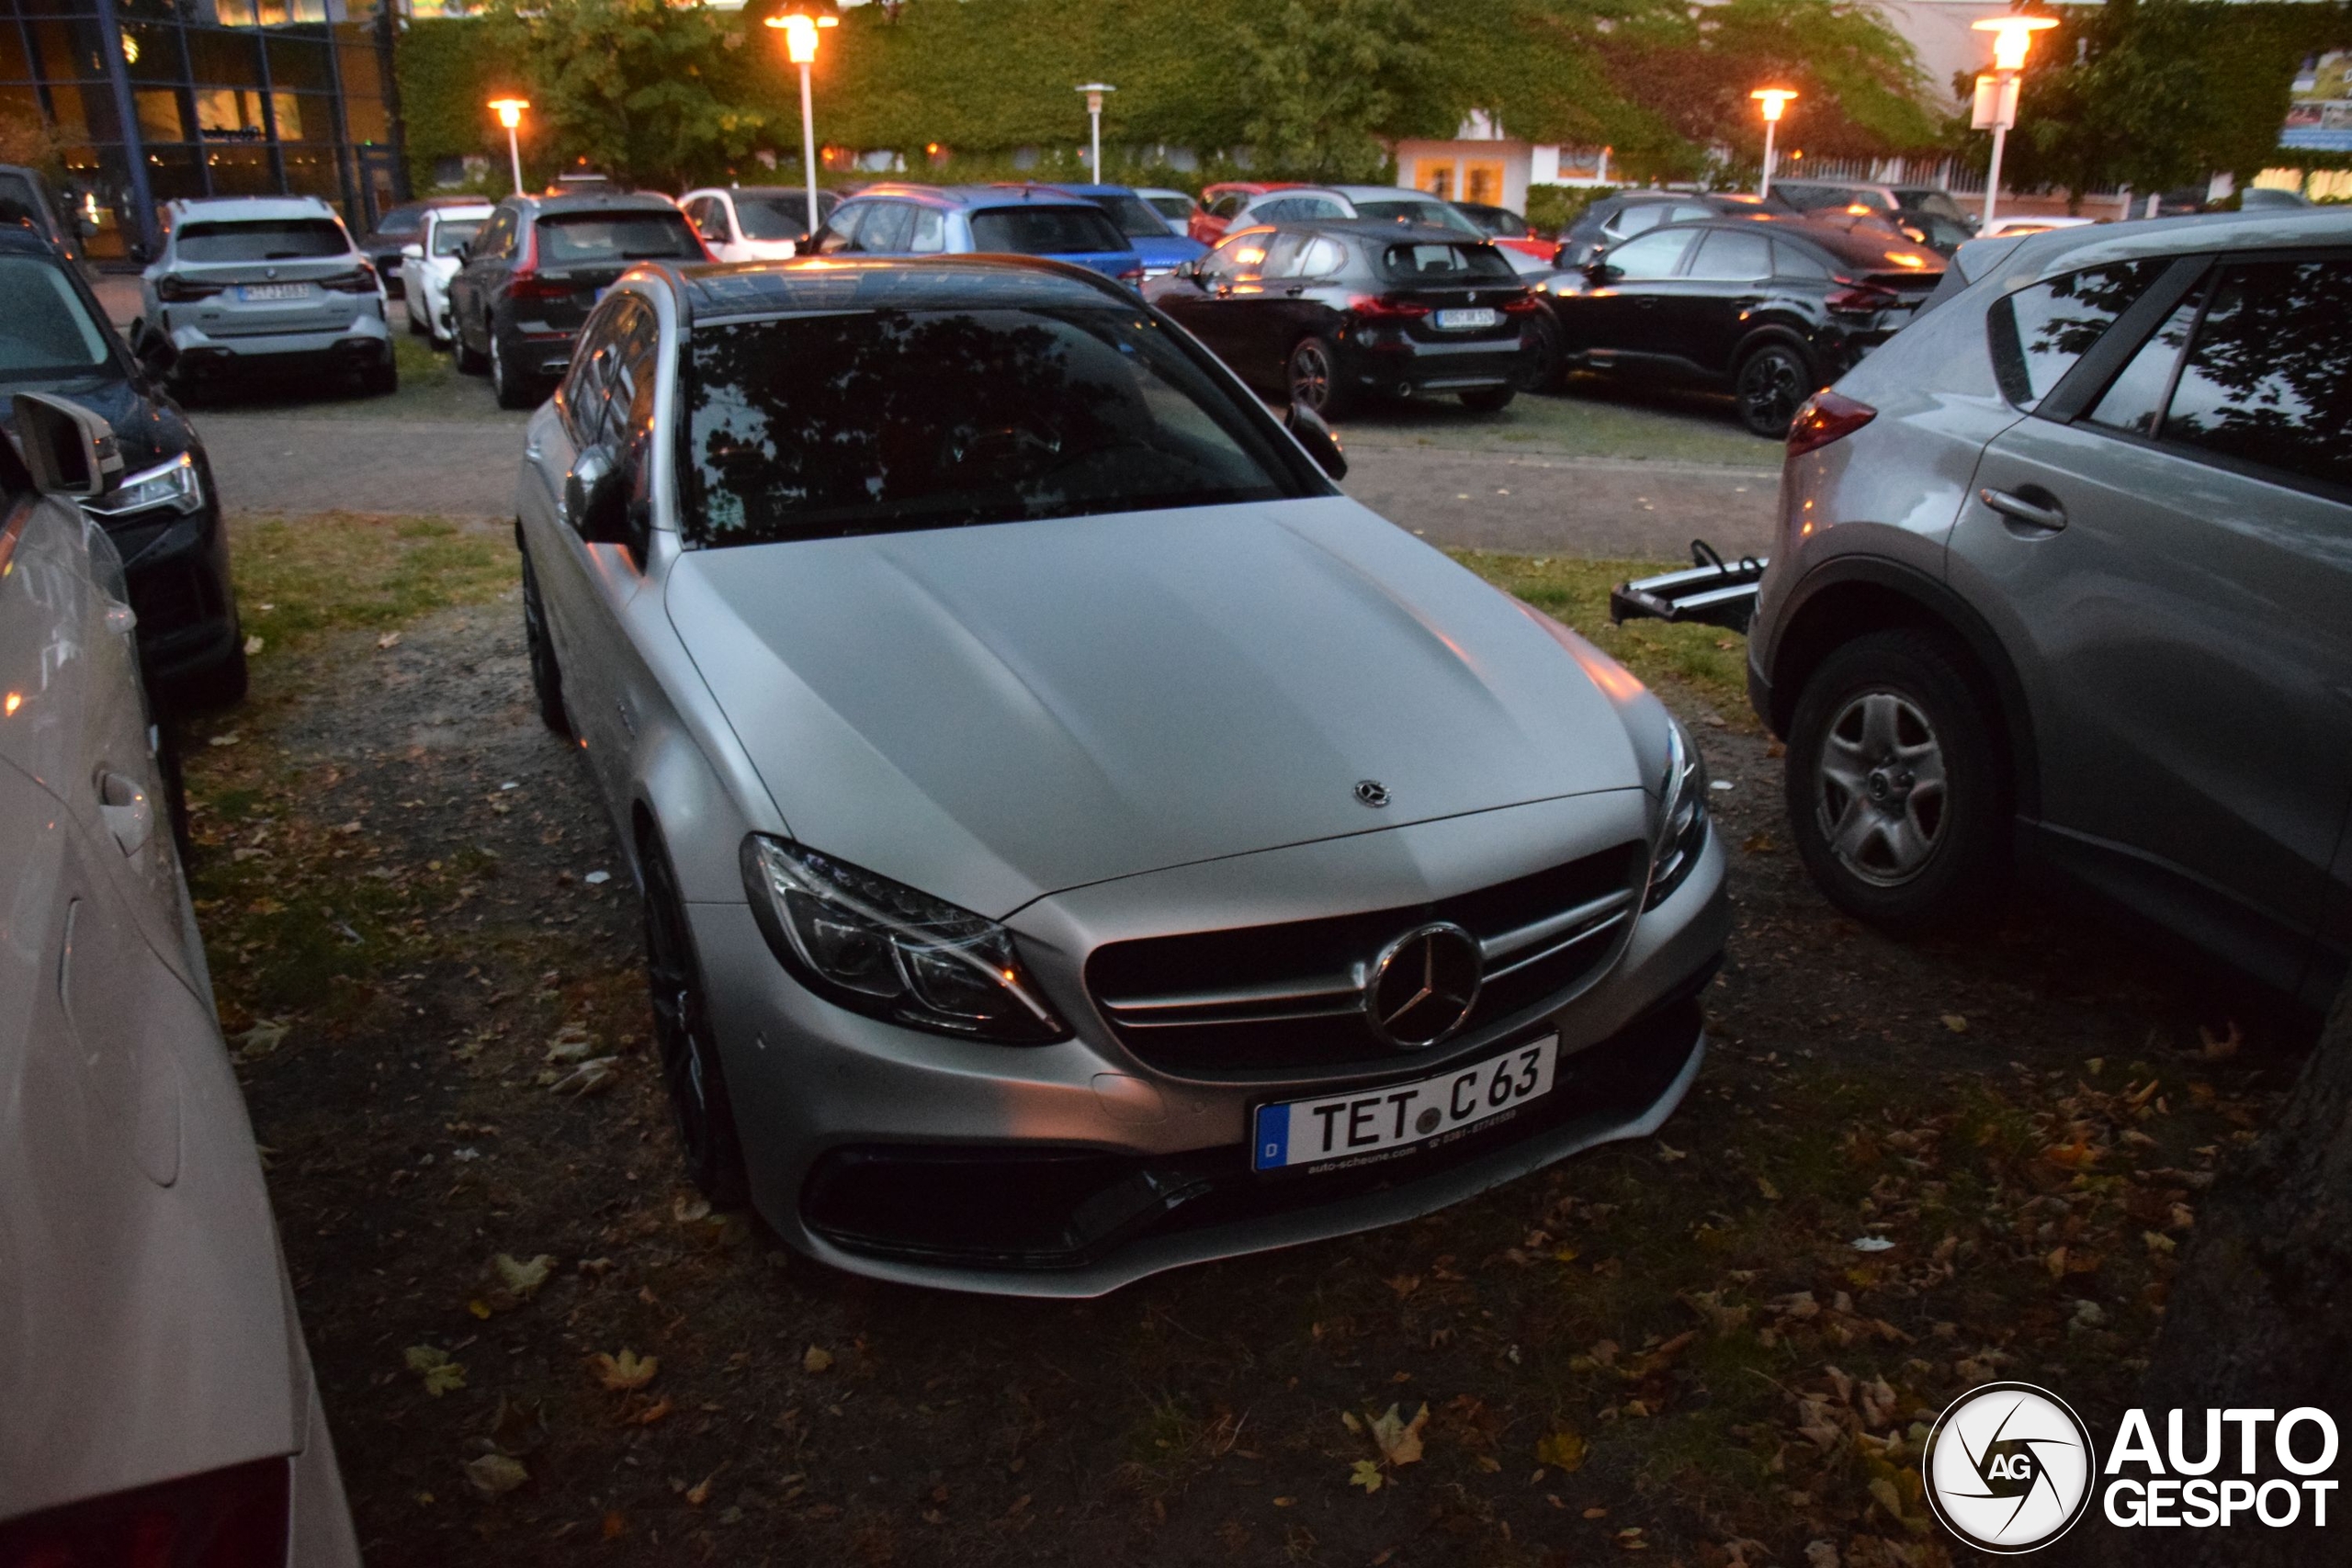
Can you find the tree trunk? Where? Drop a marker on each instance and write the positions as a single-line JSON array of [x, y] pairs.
[[2260, 1316]]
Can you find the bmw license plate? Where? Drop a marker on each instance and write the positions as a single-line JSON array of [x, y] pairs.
[[258, 291], [1466, 321], [1367, 1123]]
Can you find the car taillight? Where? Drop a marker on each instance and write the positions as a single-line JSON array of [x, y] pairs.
[[531, 286], [1521, 304], [173, 289], [1133, 277], [1860, 299], [1827, 417], [225, 1518], [360, 279], [1386, 307]]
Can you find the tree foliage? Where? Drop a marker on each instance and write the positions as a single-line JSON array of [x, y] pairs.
[[1323, 79]]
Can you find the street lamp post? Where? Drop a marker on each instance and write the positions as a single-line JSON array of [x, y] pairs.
[[1773, 100], [1094, 91], [800, 48], [1995, 107], [509, 115]]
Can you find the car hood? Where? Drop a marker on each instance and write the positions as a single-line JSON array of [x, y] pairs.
[[147, 429], [997, 712]]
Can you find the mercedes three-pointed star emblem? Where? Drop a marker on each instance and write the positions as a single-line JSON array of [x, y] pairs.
[[1423, 986]]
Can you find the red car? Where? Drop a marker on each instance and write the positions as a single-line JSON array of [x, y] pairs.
[[1219, 202], [1507, 229]]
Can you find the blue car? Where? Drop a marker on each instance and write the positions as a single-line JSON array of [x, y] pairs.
[[1017, 219], [1162, 247]]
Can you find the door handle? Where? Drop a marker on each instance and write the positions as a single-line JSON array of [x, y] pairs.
[[2044, 517], [129, 813]]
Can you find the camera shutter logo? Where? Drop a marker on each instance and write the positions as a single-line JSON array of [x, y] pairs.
[[2009, 1467]]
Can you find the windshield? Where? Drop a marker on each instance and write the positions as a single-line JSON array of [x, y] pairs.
[[46, 331], [1135, 219], [1044, 230], [776, 217], [451, 232], [875, 420], [1435, 213], [290, 239], [570, 239]]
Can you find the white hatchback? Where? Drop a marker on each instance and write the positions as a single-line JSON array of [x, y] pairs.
[[430, 261]]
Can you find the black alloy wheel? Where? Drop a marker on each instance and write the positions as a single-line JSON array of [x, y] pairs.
[[1543, 356], [1313, 378], [547, 675], [1895, 786], [468, 361], [689, 1047], [1772, 382], [506, 383]]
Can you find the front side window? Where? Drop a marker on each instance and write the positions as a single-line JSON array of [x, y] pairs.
[[2268, 377], [46, 331], [1239, 257], [2039, 333], [888, 226], [292, 238], [877, 420], [1044, 230], [574, 239], [450, 234], [1652, 256]]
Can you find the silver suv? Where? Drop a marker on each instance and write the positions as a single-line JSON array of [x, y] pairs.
[[2067, 569], [267, 283]]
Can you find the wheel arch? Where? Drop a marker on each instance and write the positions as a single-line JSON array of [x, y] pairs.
[[1775, 334], [1844, 599]]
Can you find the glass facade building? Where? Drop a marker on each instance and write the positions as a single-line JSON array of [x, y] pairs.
[[129, 104]]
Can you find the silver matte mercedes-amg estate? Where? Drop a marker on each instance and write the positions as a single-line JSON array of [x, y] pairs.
[[1076, 839]]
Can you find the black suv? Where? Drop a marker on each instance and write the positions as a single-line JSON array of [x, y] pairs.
[[537, 268], [1613, 219], [164, 514], [1326, 313], [1925, 213], [1769, 309]]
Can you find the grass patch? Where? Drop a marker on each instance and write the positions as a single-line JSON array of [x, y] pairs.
[[1590, 420], [299, 577], [1711, 663]]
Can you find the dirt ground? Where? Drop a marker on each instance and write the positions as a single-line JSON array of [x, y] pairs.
[[536, 1345]]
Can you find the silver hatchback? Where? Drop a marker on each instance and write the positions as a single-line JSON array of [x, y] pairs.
[[2066, 568], [267, 283]]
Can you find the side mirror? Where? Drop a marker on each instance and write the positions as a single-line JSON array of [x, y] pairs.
[[1598, 271], [595, 498], [1322, 442], [413, 251], [152, 347], [69, 450]]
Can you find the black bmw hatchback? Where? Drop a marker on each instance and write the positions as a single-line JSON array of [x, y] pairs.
[[1768, 309], [165, 514], [1326, 314]]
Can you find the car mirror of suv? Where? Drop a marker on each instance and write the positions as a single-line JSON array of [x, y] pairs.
[[152, 347], [1598, 271], [69, 450], [595, 498], [413, 251], [1322, 444]]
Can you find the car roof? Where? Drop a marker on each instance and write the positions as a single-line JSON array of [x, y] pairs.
[[1096, 190], [2029, 258], [970, 199], [1386, 229], [592, 201], [1849, 247], [800, 191], [711, 290], [250, 209]]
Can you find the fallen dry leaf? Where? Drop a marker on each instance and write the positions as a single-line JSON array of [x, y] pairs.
[[1366, 1475], [592, 1077], [1563, 1452], [390, 639], [440, 1373], [653, 1412], [493, 1475], [699, 1494], [522, 1279], [627, 1370], [816, 1359], [262, 1038], [1400, 1440], [1956, 1024]]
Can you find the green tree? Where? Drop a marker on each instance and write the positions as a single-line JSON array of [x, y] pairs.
[[1324, 81], [647, 92]]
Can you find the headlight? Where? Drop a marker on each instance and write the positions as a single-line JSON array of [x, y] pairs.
[[1682, 819], [880, 947], [175, 484]]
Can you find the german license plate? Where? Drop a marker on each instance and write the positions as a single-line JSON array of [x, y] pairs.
[[1466, 321], [1371, 1122], [258, 291]]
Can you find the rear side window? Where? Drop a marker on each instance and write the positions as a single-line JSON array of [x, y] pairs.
[[1635, 219], [290, 239], [1044, 230], [2268, 377], [1438, 262], [1793, 261], [1733, 255], [772, 217], [571, 239], [2038, 334]]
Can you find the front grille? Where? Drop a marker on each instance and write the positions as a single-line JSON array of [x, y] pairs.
[[1281, 997]]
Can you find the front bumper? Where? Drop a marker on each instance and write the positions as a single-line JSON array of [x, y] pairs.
[[177, 571], [1075, 1169]]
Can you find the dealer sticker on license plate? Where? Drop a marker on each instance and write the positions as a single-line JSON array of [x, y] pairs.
[[1466, 321], [1367, 1122], [273, 291]]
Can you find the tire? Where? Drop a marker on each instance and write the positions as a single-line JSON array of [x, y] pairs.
[[547, 675], [700, 1105], [415, 321], [175, 782], [1771, 382], [468, 362], [1312, 374], [1489, 400], [1544, 361], [1896, 784], [508, 386], [382, 380]]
